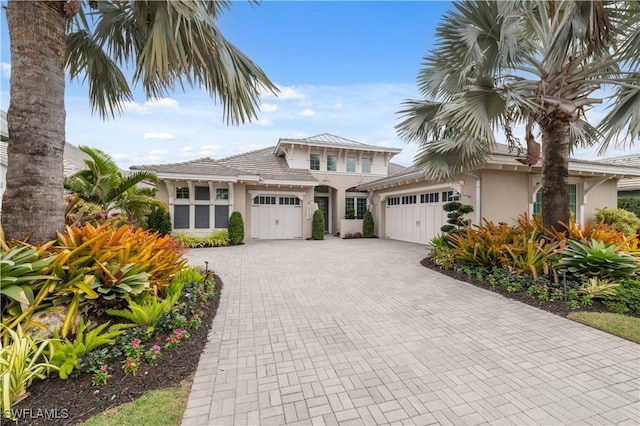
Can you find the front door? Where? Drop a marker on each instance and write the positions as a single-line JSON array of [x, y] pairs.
[[323, 206]]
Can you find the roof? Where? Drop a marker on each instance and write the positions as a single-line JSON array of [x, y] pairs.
[[73, 158], [504, 159], [332, 141], [262, 164], [633, 160]]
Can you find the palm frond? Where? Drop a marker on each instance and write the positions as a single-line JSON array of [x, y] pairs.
[[621, 125], [441, 160], [417, 123]]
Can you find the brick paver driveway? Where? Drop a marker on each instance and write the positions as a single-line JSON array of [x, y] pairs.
[[357, 332]]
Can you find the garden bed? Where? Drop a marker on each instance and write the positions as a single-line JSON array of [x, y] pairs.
[[74, 400]]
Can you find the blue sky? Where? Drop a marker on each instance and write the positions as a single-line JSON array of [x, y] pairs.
[[343, 68]]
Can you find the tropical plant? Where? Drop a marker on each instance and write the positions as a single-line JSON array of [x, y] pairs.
[[236, 228], [537, 64], [619, 219], [481, 244], [66, 353], [440, 252], [596, 259], [22, 360], [217, 238], [159, 220], [597, 288], [167, 43], [526, 255], [367, 225], [147, 312], [592, 231], [317, 227]]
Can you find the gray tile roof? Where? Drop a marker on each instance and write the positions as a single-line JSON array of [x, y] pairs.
[[73, 159], [394, 168], [261, 162], [632, 160], [329, 140]]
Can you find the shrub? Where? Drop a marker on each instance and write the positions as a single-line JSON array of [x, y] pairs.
[[596, 259], [631, 204], [350, 213], [440, 252], [456, 211], [317, 230], [217, 238], [236, 228], [159, 220], [367, 225], [628, 298], [596, 288], [619, 219]]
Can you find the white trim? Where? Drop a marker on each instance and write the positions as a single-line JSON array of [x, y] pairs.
[[385, 195]]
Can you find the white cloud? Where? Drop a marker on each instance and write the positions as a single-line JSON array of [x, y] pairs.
[[285, 93], [307, 113], [159, 136], [166, 103], [6, 69], [264, 122], [214, 147], [268, 107], [135, 108], [186, 149]]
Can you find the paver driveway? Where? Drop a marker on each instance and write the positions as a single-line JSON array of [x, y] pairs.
[[357, 332]]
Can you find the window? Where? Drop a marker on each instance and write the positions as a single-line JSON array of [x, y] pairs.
[[351, 164], [289, 201], [182, 192], [181, 217], [573, 201], [409, 199], [448, 196], [202, 217], [222, 193], [432, 197], [332, 163], [202, 193], [314, 161], [221, 216], [359, 205], [264, 199], [393, 201], [366, 165]]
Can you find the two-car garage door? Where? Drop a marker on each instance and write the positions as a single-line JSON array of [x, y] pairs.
[[276, 217], [416, 218]]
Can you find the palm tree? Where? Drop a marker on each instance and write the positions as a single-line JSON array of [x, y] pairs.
[[540, 64], [103, 184], [166, 43]]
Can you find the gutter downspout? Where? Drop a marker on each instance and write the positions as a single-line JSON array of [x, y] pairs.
[[478, 209]]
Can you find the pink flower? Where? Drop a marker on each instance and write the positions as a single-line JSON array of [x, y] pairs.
[[103, 368], [156, 348], [177, 331], [153, 356], [135, 343], [173, 340]]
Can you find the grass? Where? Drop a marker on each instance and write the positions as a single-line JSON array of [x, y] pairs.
[[619, 325], [158, 407]]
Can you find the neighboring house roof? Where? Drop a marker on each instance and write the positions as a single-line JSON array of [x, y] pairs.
[[504, 159], [256, 165], [73, 158], [333, 141], [632, 184], [395, 168], [4, 132]]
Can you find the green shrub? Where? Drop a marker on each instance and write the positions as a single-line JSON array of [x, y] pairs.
[[159, 220], [628, 298], [619, 219], [597, 288], [367, 225], [350, 213], [218, 238], [631, 204], [317, 230], [596, 259], [440, 252], [456, 211], [236, 228]]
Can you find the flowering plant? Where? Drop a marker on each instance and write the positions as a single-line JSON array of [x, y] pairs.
[[134, 353], [176, 338], [100, 376], [153, 355], [196, 320], [131, 365]]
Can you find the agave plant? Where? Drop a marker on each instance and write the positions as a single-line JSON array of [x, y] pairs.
[[596, 288], [597, 259]]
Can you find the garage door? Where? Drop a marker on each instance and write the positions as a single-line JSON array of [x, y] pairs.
[[416, 218], [276, 217]]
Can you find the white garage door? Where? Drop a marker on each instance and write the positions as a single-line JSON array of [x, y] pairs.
[[416, 218], [276, 217]]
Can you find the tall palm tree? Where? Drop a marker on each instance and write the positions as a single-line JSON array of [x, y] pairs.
[[103, 184], [540, 64], [166, 43]]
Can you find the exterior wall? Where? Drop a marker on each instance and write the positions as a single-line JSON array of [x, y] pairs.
[[603, 195], [505, 196], [298, 158]]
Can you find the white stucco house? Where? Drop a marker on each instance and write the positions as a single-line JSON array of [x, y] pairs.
[[277, 189]]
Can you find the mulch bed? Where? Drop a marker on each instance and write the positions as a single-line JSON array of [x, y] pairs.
[[554, 306], [76, 400]]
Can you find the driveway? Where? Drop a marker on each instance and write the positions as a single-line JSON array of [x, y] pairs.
[[357, 332]]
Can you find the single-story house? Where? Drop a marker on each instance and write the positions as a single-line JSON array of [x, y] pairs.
[[277, 189]]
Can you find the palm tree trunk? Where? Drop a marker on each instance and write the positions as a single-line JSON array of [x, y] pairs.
[[33, 200], [555, 172]]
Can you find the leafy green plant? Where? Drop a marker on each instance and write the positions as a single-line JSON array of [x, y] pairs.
[[631, 204], [440, 252], [597, 288], [236, 228], [596, 259], [619, 219], [627, 299], [525, 255], [317, 228], [368, 225], [219, 238], [22, 360], [159, 221], [350, 213], [100, 376], [148, 311], [66, 353], [483, 245], [455, 213]]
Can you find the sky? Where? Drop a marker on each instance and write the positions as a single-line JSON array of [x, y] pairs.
[[342, 68]]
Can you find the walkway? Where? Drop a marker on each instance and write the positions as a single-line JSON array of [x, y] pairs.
[[357, 332]]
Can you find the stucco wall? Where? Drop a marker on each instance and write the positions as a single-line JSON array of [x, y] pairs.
[[603, 195], [505, 195], [298, 158]]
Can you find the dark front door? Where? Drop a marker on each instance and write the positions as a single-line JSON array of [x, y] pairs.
[[323, 206]]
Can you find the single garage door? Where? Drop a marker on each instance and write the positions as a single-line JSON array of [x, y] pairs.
[[276, 217], [416, 218]]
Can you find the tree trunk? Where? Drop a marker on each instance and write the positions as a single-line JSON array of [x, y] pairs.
[[555, 173], [33, 201]]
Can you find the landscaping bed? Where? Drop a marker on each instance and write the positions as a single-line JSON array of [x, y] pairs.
[[74, 400]]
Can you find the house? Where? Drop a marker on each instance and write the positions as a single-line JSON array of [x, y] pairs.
[[627, 187], [408, 207], [276, 189]]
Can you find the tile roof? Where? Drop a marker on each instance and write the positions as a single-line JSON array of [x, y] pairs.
[[261, 162], [329, 140], [632, 160], [73, 159]]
